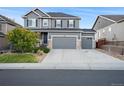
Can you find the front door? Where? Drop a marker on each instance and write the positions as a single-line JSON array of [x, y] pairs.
[[45, 38]]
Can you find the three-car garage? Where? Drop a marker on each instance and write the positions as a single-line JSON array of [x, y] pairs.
[[71, 40]]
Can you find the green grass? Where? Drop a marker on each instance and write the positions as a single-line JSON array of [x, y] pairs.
[[18, 58]]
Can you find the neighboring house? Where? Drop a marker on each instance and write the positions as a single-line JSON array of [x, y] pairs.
[[110, 27], [6, 25], [59, 30]]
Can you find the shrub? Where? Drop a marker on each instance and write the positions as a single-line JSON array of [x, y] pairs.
[[39, 52], [35, 49], [46, 50], [22, 40]]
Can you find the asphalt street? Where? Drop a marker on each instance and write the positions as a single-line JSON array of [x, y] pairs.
[[51, 77]]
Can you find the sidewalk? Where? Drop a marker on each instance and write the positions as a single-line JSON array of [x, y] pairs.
[[58, 66]]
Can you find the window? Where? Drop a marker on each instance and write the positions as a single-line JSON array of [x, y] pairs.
[[0, 27], [71, 23], [45, 22], [31, 22], [58, 23]]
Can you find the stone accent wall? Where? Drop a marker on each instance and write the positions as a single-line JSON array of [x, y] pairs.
[[50, 44], [78, 44]]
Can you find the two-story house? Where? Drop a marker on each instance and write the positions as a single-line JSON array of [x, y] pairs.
[[6, 24], [110, 27], [59, 30]]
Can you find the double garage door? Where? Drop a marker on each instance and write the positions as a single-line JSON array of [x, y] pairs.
[[64, 42], [70, 43]]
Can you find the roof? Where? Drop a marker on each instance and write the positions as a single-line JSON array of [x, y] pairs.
[[59, 14], [52, 14], [115, 18], [2, 34], [88, 30], [8, 20], [111, 19]]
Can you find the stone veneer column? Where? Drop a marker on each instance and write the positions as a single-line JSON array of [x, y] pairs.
[[78, 45], [49, 43]]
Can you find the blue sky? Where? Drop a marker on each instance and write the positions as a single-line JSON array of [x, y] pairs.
[[87, 14]]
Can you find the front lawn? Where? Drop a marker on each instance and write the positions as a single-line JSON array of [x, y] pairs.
[[18, 58]]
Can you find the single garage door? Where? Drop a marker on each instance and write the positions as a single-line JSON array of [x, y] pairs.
[[64, 43], [86, 43]]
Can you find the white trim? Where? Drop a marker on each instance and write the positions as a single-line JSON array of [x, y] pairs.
[[41, 11], [107, 18], [37, 13], [75, 36], [93, 41], [3, 18], [29, 12]]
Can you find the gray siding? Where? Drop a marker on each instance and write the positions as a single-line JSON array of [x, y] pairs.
[[77, 23], [64, 23], [3, 42], [51, 21], [116, 33], [101, 23], [41, 14], [6, 28], [3, 28], [32, 15]]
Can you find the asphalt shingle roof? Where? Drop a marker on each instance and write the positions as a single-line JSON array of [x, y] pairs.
[[59, 14], [9, 20], [114, 17]]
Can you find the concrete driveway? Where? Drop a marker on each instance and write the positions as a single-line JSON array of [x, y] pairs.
[[81, 59]]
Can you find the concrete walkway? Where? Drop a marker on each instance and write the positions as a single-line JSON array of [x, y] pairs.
[[72, 59]]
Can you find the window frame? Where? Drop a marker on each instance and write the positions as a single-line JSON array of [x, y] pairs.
[[71, 23], [33, 22], [58, 25], [45, 20]]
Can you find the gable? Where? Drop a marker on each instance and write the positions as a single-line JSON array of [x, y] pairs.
[[101, 23], [32, 15], [42, 14]]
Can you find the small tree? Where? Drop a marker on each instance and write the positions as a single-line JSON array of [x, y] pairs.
[[22, 39]]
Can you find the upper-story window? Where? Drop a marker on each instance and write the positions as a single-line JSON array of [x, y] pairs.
[[71, 23], [58, 23], [45, 22], [31, 22]]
